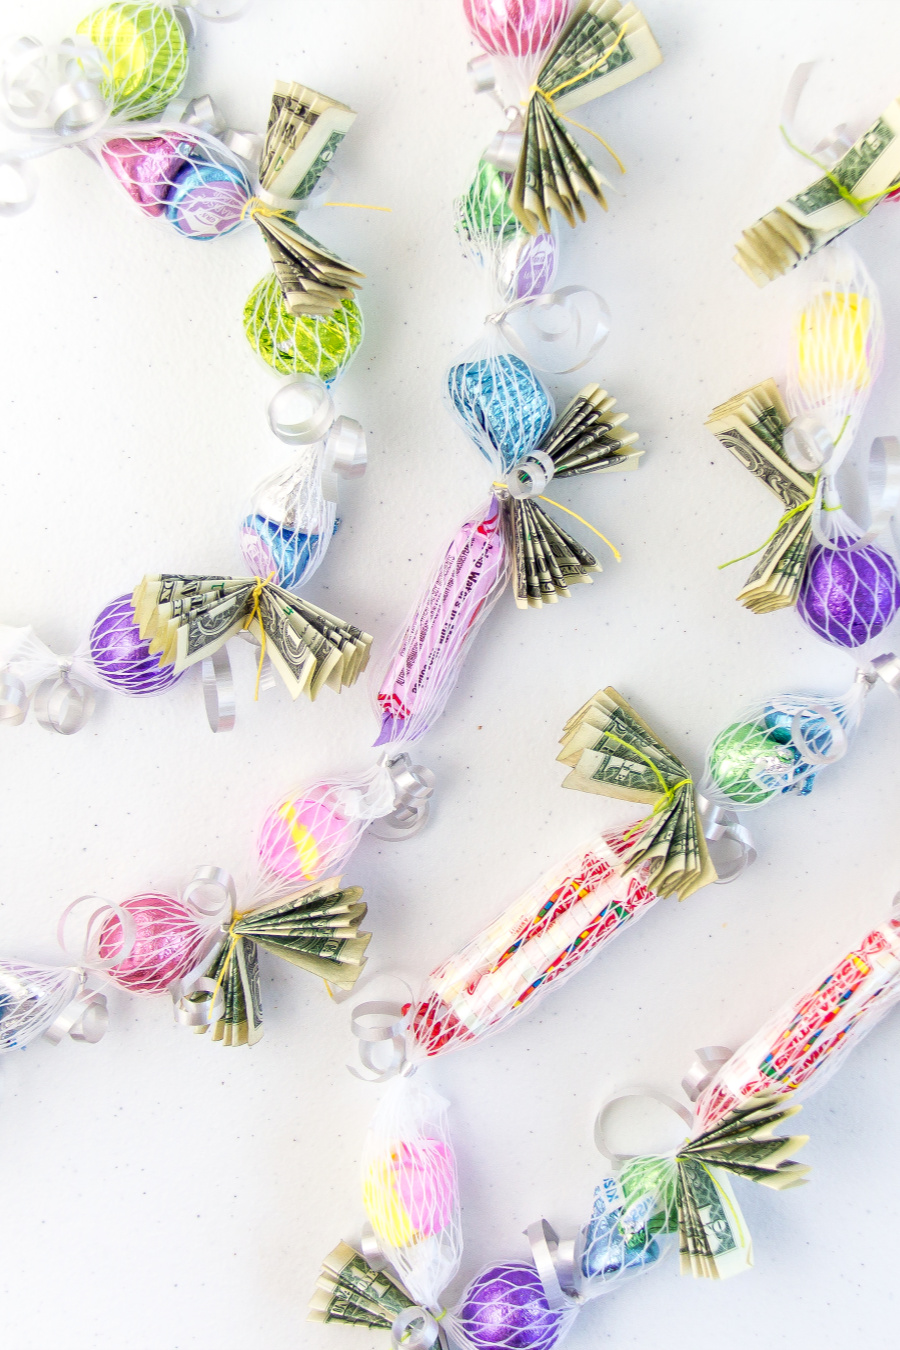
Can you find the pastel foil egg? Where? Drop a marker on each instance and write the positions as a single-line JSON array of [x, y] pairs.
[[300, 346], [515, 27], [206, 200], [301, 837], [122, 657], [849, 596], [529, 266], [506, 1307], [503, 405], [833, 342], [743, 760], [410, 1194], [145, 56], [267, 547], [167, 941], [146, 168]]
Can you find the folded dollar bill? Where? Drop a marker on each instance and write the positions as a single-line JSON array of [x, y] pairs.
[[752, 425], [840, 197], [612, 751], [604, 45], [187, 618], [349, 1290], [586, 438], [303, 132], [316, 928]]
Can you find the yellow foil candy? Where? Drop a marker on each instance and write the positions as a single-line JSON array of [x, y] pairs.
[[145, 56], [832, 342], [388, 1217]]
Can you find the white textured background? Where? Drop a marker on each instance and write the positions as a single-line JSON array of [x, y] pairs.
[[160, 1192]]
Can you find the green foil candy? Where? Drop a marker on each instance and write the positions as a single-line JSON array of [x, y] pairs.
[[304, 345], [483, 212], [145, 56], [656, 1176], [740, 753]]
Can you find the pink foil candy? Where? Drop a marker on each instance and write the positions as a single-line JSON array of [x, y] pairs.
[[434, 643], [168, 938], [146, 168], [516, 27]]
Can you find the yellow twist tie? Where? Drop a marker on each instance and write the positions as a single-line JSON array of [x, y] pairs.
[[255, 614], [255, 206], [858, 203], [549, 97], [504, 487], [668, 793], [227, 962]]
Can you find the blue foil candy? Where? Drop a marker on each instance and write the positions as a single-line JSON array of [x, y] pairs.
[[616, 1241], [206, 200], [502, 405], [818, 736], [269, 547]]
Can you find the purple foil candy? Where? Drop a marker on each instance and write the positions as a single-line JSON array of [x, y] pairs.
[[207, 200], [848, 597], [146, 168], [122, 657], [506, 1307], [535, 266]]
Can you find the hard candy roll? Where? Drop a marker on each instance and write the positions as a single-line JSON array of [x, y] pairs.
[[146, 168], [484, 212], [506, 1307], [122, 657], [206, 200], [848, 597], [502, 403], [305, 345], [743, 757], [515, 27], [167, 939], [300, 836], [145, 56]]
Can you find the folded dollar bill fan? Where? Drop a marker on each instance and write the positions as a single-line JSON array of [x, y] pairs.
[[187, 618], [581, 51]]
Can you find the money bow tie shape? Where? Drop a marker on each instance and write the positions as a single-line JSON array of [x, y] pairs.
[[187, 618], [592, 48]]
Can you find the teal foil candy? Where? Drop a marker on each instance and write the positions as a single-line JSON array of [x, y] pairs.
[[502, 404], [744, 760]]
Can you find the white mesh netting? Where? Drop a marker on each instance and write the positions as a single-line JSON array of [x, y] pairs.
[[499, 400], [632, 1225], [410, 1189], [551, 931], [305, 345], [290, 522], [169, 936], [144, 57], [31, 998]]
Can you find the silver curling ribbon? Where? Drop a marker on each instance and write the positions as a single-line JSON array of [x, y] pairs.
[[345, 455], [482, 73], [202, 113], [506, 147], [887, 668], [85, 1018], [601, 1123], [555, 1264], [531, 476], [218, 690], [13, 700], [831, 147], [53, 92], [301, 410], [707, 1063], [413, 789], [380, 1022], [371, 1248], [721, 824], [62, 704], [559, 331], [807, 444], [212, 894], [415, 1329]]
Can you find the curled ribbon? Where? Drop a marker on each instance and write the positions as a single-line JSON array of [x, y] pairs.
[[709, 1060], [648, 1094], [62, 704], [555, 1265], [407, 1335], [810, 448], [412, 787], [831, 146], [218, 690], [85, 1018], [583, 334], [212, 894], [887, 668], [722, 823], [373, 1024]]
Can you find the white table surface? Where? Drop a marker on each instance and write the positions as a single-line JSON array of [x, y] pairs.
[[160, 1192]]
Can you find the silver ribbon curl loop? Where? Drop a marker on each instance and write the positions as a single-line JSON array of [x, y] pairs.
[[85, 1018], [407, 1335], [555, 1265], [565, 323], [218, 690], [190, 1011], [531, 475], [505, 150], [413, 786], [390, 1023], [709, 1060], [62, 704], [301, 411], [887, 668], [371, 1249], [212, 895], [219, 905], [345, 455], [13, 700], [53, 92], [88, 956], [831, 146], [647, 1094], [721, 823]]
